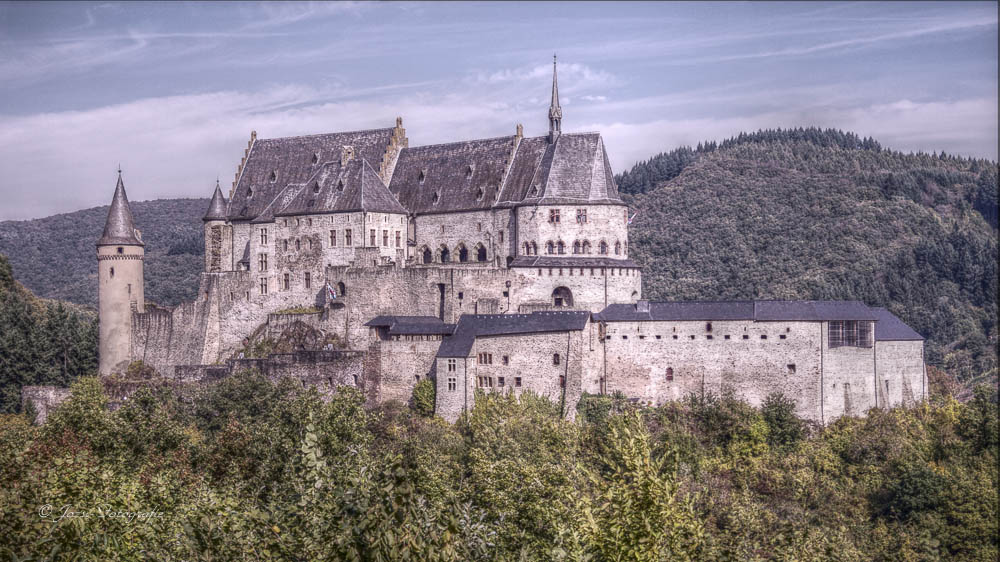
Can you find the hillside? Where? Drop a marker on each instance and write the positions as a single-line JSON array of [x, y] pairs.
[[54, 256], [810, 214], [41, 342]]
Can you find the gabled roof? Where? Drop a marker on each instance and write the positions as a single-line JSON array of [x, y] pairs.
[[119, 229], [471, 326], [336, 188], [458, 176], [890, 328], [579, 172], [293, 160], [217, 207], [759, 311], [411, 325]]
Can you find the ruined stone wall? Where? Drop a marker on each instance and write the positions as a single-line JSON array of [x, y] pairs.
[[44, 399], [607, 223], [902, 378]]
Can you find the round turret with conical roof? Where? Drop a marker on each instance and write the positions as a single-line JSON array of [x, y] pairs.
[[120, 255], [218, 235]]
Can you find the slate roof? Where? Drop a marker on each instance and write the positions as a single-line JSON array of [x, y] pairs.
[[890, 328], [458, 176], [119, 229], [579, 172], [758, 311], [291, 159], [333, 188], [570, 261], [411, 325], [217, 207], [471, 326]]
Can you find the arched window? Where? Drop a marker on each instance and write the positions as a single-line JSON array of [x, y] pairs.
[[527, 249], [463, 253], [298, 245], [550, 248], [480, 253], [576, 247], [670, 373], [556, 359], [534, 249], [562, 297], [560, 247], [341, 289], [618, 248], [586, 247], [445, 254], [603, 248], [428, 256]]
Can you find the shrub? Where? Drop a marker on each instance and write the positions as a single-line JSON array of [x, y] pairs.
[[423, 398]]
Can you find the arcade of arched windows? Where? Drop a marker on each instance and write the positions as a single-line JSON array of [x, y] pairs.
[[579, 247], [459, 254]]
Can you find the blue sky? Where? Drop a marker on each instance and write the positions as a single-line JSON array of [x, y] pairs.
[[172, 91]]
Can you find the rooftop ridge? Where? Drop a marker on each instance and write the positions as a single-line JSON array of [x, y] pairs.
[[327, 134], [459, 142]]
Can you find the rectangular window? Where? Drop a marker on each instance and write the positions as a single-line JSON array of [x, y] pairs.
[[506, 360], [385, 237], [485, 358], [553, 215], [500, 381], [451, 365], [581, 216], [501, 237], [791, 368], [308, 280], [262, 262], [517, 382], [347, 237], [398, 239], [451, 383], [309, 221], [287, 281], [371, 237], [850, 333], [263, 285], [333, 238], [263, 237]]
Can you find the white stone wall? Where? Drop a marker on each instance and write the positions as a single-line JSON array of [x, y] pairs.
[[848, 380], [593, 288], [902, 377], [606, 223], [403, 361]]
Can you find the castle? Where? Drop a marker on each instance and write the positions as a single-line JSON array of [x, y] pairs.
[[498, 264]]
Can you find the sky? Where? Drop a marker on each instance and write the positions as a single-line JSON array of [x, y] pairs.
[[171, 91]]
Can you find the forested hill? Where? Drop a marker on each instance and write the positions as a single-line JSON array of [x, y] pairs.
[[812, 214], [54, 257], [41, 342]]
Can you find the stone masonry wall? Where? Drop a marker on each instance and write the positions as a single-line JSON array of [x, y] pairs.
[[606, 223], [902, 378]]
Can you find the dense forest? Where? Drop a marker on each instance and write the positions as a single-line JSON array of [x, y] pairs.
[[41, 342], [248, 469], [822, 214], [55, 257]]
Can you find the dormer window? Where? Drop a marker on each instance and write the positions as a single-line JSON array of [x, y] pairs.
[[249, 192], [422, 176], [316, 187], [316, 158], [534, 191], [435, 198], [479, 194], [274, 176], [340, 185], [468, 172]]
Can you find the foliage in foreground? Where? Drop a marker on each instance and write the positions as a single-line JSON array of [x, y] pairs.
[[248, 469]]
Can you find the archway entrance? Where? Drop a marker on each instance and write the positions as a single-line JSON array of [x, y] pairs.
[[562, 297]]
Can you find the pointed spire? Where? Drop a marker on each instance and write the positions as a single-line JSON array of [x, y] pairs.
[[119, 230], [217, 208], [555, 112]]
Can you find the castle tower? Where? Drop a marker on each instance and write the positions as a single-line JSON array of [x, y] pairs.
[[555, 112], [119, 283], [218, 236]]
